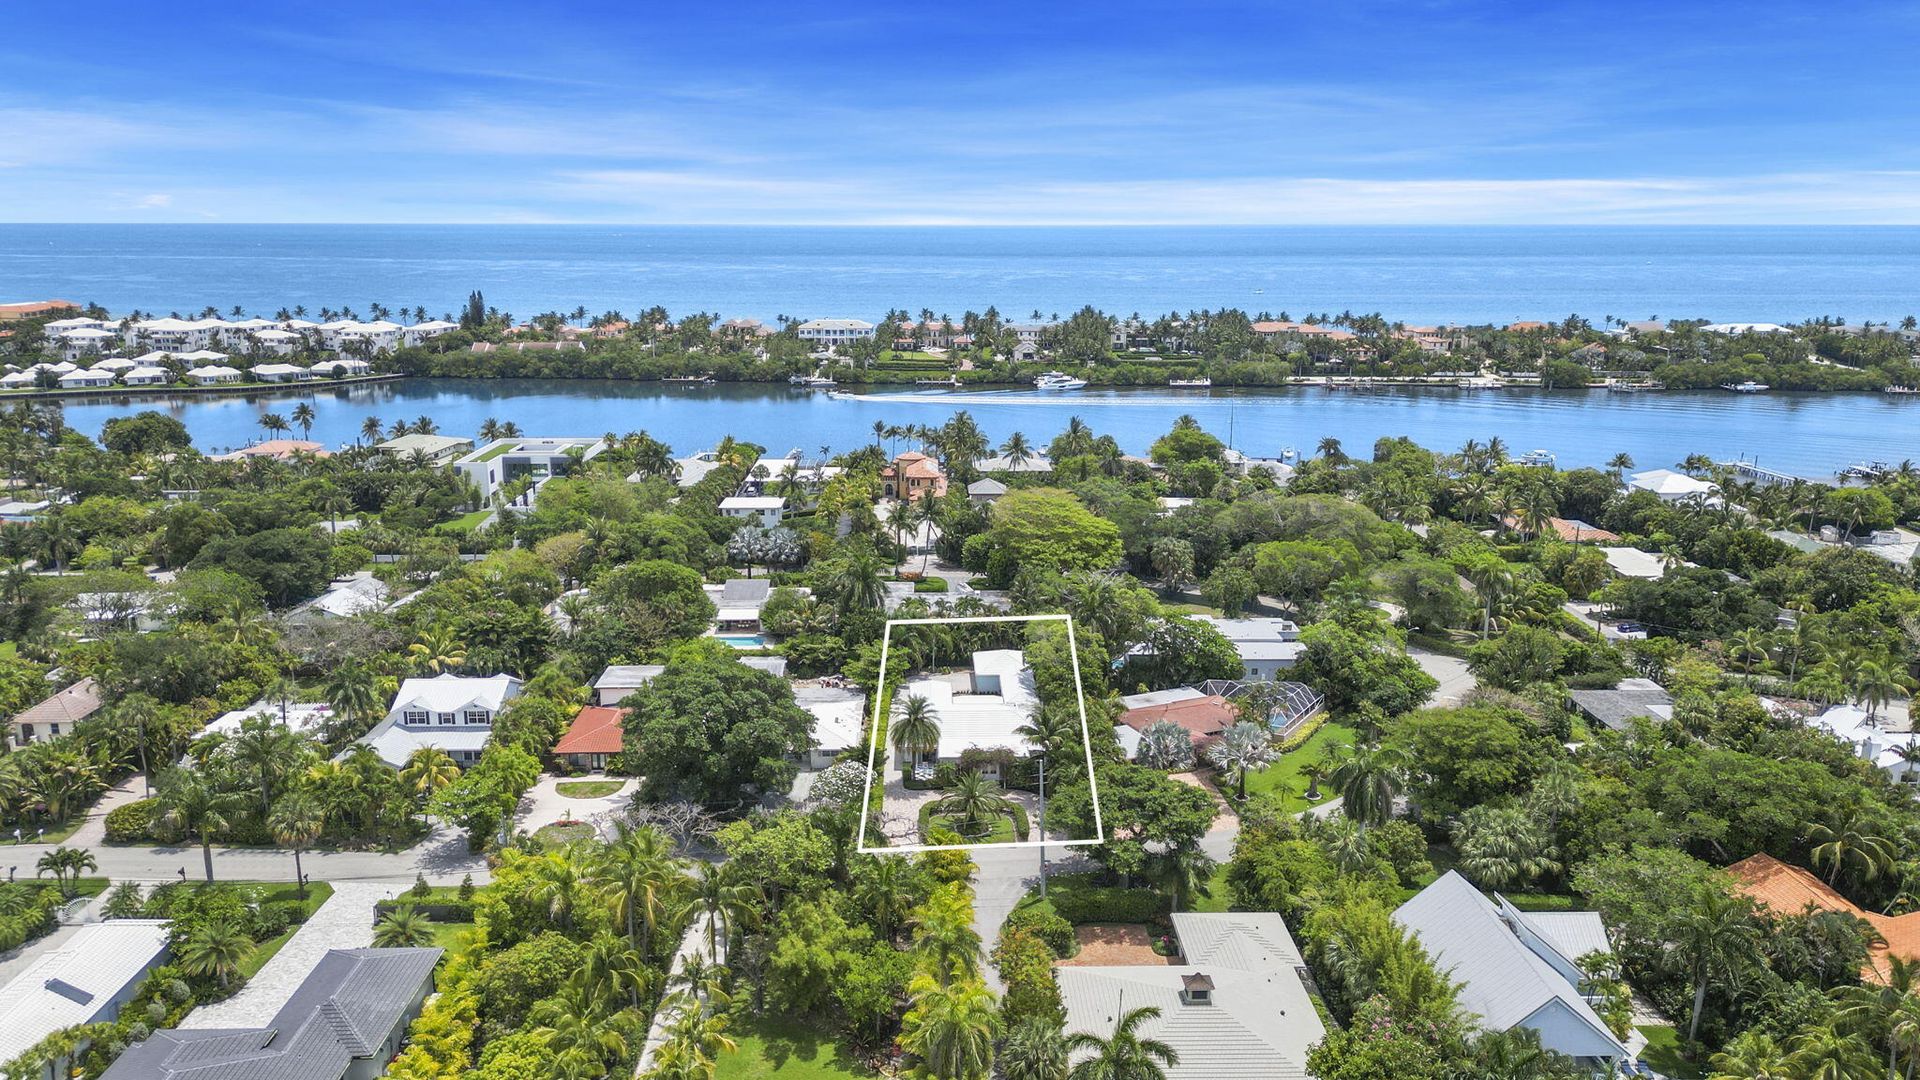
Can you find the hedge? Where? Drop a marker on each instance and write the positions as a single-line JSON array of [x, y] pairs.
[[1078, 900], [455, 911], [930, 585], [1307, 730], [133, 822], [1046, 925]]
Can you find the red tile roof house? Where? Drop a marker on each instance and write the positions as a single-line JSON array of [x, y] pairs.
[[911, 476], [57, 715], [1204, 717], [593, 738]]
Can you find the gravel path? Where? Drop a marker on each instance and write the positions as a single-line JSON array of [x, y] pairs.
[[345, 921]]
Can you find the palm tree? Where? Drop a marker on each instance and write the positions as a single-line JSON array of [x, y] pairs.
[[857, 583], [1016, 450], [1244, 748], [1849, 842], [269, 751], [1714, 938], [974, 800], [1619, 463], [1493, 579], [353, 693], [916, 728], [886, 894], [1874, 684], [1124, 1055], [1821, 1053], [66, 865], [640, 880], [613, 965], [1189, 872], [370, 429], [437, 650], [192, 806], [695, 1039], [303, 417], [1036, 1049], [1751, 1055], [274, 423], [1876, 1011], [215, 949], [296, 822], [428, 769], [724, 901], [402, 928], [1368, 779], [554, 883], [951, 1027], [1052, 730]]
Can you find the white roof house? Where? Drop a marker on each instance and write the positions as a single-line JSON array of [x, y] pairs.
[[345, 365], [213, 373], [281, 373], [1735, 328], [1512, 966], [356, 594], [982, 709], [1634, 563], [831, 330], [1869, 738], [146, 376], [303, 717], [84, 981], [451, 712], [86, 377], [1233, 1007], [1671, 486], [619, 680], [839, 719], [114, 363], [766, 510]]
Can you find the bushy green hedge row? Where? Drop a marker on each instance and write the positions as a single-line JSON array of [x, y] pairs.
[[1046, 925], [1079, 900], [133, 822], [33, 918], [454, 911], [930, 585]]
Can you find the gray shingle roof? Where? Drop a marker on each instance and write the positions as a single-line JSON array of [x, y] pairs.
[[1633, 697], [342, 1011]]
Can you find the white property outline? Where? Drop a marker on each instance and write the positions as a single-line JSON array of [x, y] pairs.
[[873, 741]]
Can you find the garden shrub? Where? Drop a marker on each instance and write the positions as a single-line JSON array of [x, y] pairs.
[[132, 823], [1079, 900], [1046, 925], [930, 585]]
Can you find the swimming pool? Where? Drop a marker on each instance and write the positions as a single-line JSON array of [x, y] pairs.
[[743, 641]]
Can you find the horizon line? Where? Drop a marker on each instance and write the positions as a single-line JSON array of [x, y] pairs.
[[1023, 224]]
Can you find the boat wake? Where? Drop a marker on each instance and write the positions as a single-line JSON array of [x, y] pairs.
[[1069, 401]]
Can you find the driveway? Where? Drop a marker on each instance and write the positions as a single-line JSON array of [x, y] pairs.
[[345, 921], [543, 804], [1451, 671]]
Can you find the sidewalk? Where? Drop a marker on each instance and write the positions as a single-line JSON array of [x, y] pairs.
[[345, 921]]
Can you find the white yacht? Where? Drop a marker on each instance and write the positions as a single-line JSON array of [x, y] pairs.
[[1747, 387], [1057, 380]]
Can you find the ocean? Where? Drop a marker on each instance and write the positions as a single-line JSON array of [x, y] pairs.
[[1417, 275]]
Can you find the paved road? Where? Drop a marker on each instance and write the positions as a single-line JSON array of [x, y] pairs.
[[345, 921], [442, 857], [1451, 671]]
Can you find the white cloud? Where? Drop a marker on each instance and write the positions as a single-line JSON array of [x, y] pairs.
[[157, 201]]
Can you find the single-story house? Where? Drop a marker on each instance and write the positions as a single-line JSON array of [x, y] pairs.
[[281, 373], [86, 377], [762, 510], [619, 680], [438, 449], [738, 602], [1634, 563], [147, 376], [1035, 462], [1515, 968], [1672, 486], [985, 490], [346, 1021], [839, 718], [1571, 530], [84, 981], [592, 739], [977, 709], [307, 717], [277, 449], [211, 374], [1633, 697], [451, 712], [1871, 741], [1204, 717], [56, 715], [355, 594], [1233, 1007], [345, 365]]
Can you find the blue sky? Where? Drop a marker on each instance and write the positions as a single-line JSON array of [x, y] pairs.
[[1034, 112]]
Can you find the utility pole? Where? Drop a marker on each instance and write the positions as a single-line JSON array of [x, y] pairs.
[[1043, 827]]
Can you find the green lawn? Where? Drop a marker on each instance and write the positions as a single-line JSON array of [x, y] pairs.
[[787, 1049], [1284, 777], [452, 936], [1663, 1053], [505, 446], [317, 894], [556, 834], [1216, 898], [1000, 833], [1442, 857], [56, 833], [466, 522], [588, 789]]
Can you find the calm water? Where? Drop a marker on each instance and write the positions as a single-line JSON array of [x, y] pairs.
[[1810, 434], [1417, 274]]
